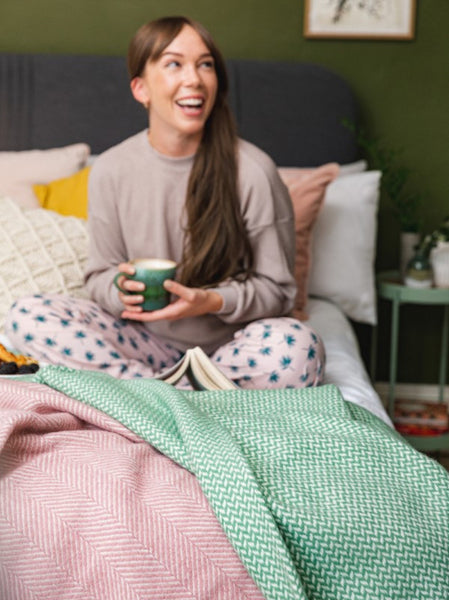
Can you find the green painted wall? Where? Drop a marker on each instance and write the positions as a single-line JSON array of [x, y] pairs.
[[402, 88]]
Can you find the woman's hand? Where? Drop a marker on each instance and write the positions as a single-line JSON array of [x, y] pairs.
[[129, 300], [191, 302]]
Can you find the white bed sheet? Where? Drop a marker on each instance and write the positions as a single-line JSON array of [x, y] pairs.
[[344, 365]]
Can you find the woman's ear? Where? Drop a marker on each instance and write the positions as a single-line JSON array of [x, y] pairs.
[[139, 91]]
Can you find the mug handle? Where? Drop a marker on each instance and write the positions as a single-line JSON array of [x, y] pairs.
[[116, 278]]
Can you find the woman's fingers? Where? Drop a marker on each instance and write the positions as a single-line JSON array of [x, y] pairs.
[[127, 268], [175, 310], [176, 288], [130, 299], [128, 285], [192, 302]]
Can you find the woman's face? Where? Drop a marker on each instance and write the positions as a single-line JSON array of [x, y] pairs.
[[180, 90]]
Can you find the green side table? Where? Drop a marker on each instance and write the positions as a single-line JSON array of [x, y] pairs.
[[391, 288]]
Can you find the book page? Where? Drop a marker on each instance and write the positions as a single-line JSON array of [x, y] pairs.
[[207, 373], [200, 370]]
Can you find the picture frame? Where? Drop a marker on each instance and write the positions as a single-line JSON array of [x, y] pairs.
[[360, 19]]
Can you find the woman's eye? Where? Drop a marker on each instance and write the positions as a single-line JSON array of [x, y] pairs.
[[207, 64], [172, 64]]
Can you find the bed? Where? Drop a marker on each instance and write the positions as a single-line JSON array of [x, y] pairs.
[[115, 489]]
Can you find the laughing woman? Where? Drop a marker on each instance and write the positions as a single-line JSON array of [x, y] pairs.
[[186, 189]]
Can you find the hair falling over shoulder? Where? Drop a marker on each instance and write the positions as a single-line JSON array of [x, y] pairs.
[[216, 245]]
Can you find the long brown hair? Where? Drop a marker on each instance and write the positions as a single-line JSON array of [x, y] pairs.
[[216, 243]]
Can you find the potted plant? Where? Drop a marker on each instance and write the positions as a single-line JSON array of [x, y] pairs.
[[439, 236], [435, 245]]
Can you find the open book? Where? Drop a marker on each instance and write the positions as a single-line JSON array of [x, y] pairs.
[[199, 369]]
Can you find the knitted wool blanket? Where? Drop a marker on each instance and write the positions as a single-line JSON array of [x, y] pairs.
[[320, 499]]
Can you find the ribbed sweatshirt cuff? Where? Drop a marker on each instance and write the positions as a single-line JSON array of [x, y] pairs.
[[229, 296]]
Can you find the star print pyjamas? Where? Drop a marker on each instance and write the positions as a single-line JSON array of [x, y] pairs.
[[269, 353]]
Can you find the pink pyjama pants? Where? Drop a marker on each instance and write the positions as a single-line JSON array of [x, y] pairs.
[[269, 353]]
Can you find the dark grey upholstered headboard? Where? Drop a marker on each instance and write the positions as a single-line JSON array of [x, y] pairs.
[[293, 111]]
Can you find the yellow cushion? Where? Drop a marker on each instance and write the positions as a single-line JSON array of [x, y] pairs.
[[66, 196]]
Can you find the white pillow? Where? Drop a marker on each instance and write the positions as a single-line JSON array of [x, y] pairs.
[[350, 168], [40, 251], [344, 246], [20, 170]]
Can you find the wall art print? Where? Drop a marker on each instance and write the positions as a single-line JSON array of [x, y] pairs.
[[372, 19]]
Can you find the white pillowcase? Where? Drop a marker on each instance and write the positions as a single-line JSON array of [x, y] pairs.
[[40, 251], [344, 246], [20, 170], [351, 168]]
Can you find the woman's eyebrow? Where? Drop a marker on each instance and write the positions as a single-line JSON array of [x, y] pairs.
[[172, 53]]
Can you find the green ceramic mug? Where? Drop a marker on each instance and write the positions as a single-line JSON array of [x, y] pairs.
[[152, 272]]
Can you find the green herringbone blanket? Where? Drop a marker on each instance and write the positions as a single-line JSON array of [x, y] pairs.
[[319, 498]]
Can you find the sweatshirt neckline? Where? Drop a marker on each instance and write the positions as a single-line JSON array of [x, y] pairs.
[[172, 160]]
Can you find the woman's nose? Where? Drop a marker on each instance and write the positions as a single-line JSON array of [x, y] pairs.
[[191, 75]]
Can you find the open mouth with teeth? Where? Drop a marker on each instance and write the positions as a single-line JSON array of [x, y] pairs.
[[191, 105]]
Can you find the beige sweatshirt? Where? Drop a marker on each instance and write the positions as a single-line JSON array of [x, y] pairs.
[[136, 199]]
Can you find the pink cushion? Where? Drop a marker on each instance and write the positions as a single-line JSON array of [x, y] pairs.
[[307, 188]]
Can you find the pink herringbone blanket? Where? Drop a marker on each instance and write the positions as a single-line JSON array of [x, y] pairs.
[[89, 511]]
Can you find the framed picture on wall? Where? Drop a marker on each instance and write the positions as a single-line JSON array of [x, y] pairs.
[[360, 19]]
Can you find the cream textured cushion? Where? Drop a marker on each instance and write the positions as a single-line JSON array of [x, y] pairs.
[[20, 170], [40, 251]]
